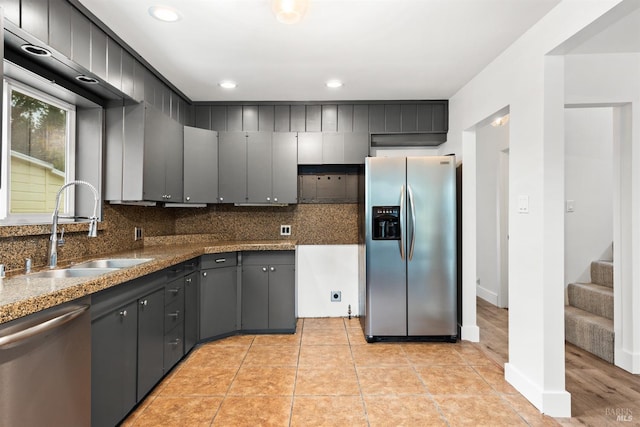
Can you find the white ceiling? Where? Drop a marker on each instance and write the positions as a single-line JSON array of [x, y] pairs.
[[381, 49]]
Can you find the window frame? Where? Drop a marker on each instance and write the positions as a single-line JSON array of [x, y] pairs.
[[68, 210]]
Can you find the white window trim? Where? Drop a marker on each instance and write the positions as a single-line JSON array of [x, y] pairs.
[[7, 218]]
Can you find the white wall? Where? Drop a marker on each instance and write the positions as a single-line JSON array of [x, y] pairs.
[[322, 269], [589, 185], [531, 84], [490, 142]]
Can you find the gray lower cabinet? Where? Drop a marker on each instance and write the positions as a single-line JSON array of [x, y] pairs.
[[113, 365], [174, 314], [218, 295], [150, 341], [268, 291]]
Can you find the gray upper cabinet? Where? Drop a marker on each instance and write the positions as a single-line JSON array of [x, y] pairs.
[[34, 18], [285, 168], [98, 52], [145, 148], [11, 10], [309, 148], [356, 147], [332, 148], [232, 167], [114, 64], [200, 165], [257, 167]]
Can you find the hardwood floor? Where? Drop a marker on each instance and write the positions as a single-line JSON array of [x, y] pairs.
[[601, 394]]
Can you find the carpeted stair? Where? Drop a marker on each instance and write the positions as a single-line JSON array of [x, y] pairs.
[[588, 319]]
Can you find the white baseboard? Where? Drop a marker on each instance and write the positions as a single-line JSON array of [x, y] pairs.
[[487, 295], [627, 360], [470, 333], [553, 403]]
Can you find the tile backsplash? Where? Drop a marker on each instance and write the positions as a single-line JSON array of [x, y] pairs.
[[310, 224]]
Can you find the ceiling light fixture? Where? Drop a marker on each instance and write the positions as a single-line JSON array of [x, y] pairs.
[[227, 84], [334, 84], [164, 13], [500, 121], [35, 50], [86, 79], [289, 11]]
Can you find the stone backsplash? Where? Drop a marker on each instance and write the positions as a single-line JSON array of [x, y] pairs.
[[318, 224]]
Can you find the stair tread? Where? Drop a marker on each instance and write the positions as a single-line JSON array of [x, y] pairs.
[[589, 317], [594, 287]]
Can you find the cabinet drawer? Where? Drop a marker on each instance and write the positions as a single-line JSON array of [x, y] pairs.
[[173, 347], [173, 315], [225, 259], [174, 291], [268, 258]]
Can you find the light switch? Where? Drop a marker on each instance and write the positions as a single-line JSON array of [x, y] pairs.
[[523, 204], [570, 206]]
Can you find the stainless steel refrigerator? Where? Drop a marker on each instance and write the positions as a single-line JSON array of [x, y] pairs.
[[408, 248]]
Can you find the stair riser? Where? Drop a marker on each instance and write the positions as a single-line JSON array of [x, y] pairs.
[[602, 273], [587, 299], [590, 337]]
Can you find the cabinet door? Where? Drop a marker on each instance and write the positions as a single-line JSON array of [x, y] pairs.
[[309, 148], [285, 167], [356, 147], [150, 341], [200, 165], [113, 365], [232, 167], [259, 167], [332, 148], [255, 297], [218, 302], [190, 311], [281, 297], [154, 154], [174, 159]]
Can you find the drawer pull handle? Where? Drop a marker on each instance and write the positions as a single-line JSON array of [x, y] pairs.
[[204, 274], [144, 302], [123, 313], [188, 280], [175, 342], [272, 269], [174, 291], [264, 269], [219, 260], [176, 314]]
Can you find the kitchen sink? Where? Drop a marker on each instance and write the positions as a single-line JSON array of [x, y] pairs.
[[111, 263], [72, 272]]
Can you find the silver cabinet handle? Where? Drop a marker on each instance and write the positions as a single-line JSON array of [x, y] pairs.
[[413, 223], [219, 260], [175, 342], [174, 290], [264, 269], [176, 314], [402, 222], [188, 198], [45, 326], [204, 274], [275, 199], [268, 199], [143, 302], [188, 280], [168, 196], [221, 199], [272, 269], [123, 313]]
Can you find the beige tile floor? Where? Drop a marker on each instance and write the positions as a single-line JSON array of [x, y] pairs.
[[327, 375]]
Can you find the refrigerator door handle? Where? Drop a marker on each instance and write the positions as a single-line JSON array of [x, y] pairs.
[[413, 222], [402, 222]]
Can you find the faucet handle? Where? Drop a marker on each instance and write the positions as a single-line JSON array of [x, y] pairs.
[[61, 239]]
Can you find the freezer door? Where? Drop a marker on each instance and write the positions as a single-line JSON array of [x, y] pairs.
[[431, 235], [386, 292]]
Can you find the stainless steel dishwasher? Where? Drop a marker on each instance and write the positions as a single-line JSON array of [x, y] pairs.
[[45, 368]]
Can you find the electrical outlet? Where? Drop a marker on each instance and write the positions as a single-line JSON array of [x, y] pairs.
[[137, 233], [336, 296], [285, 230]]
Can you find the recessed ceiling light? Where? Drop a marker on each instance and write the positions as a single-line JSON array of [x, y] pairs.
[[228, 84], [164, 13], [86, 79], [333, 84], [35, 50]]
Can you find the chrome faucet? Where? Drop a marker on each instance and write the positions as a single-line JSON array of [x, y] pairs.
[[93, 225]]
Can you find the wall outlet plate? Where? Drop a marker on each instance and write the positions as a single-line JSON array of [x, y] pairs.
[[336, 296], [137, 233], [285, 230]]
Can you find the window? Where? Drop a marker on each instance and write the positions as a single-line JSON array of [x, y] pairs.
[[38, 155]]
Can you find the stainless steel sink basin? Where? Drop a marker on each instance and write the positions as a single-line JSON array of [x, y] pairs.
[[72, 272], [111, 263]]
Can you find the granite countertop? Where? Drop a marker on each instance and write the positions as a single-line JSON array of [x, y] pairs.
[[23, 294]]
